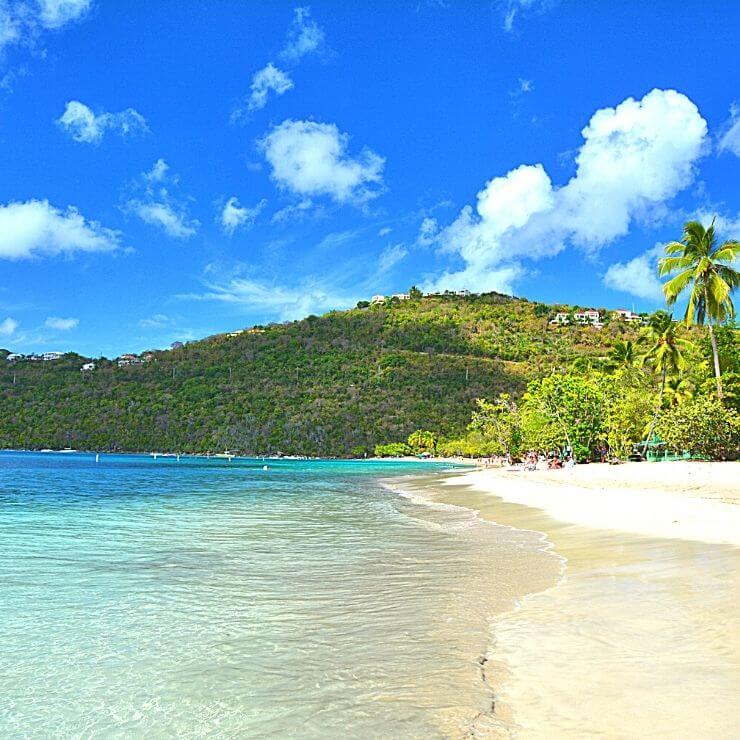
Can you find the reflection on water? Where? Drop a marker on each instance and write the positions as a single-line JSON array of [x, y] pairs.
[[203, 598]]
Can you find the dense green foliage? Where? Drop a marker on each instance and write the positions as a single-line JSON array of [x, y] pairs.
[[332, 385], [702, 426], [338, 384]]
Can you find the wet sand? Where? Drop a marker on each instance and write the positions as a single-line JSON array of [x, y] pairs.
[[641, 638]]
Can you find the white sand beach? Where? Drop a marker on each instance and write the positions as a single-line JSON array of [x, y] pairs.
[[641, 638], [685, 500]]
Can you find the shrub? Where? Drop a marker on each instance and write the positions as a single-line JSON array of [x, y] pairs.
[[703, 427]]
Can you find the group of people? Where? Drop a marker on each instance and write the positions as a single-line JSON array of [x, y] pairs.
[[553, 460]]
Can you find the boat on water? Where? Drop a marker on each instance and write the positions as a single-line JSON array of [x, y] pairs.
[[226, 454]]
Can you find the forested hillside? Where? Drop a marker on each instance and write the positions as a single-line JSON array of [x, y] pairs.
[[330, 385]]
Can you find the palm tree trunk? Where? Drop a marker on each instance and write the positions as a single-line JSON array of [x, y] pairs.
[[658, 407], [715, 356]]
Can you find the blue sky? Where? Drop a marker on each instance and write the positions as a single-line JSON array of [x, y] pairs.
[[173, 170]]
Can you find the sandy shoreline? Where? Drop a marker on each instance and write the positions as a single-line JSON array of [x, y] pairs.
[[685, 500], [641, 638]]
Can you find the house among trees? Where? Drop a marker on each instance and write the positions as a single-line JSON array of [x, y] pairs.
[[15, 357], [629, 316], [588, 317], [87, 367], [584, 318], [128, 359], [51, 356], [562, 318]]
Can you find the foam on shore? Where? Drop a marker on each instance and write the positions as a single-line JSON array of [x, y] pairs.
[[641, 638]]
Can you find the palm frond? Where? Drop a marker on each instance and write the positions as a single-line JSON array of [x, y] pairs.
[[667, 265], [674, 287]]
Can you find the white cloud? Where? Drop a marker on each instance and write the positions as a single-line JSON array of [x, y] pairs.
[[726, 227], [499, 280], [87, 127], [276, 301], [158, 321], [266, 80], [525, 86], [155, 204], [8, 327], [23, 22], [57, 13], [638, 276], [513, 8], [428, 231], [34, 228], [729, 140], [158, 172], [391, 256], [635, 157], [304, 37], [166, 217], [295, 211], [310, 159], [55, 322], [234, 215], [385, 231]]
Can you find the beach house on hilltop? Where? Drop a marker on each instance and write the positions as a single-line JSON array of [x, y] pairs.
[[584, 318], [15, 357], [127, 359], [51, 356], [377, 299], [629, 316], [588, 317]]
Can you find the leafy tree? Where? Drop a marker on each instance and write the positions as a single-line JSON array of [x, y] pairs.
[[394, 449], [628, 407], [563, 410], [706, 269], [499, 424], [415, 294], [703, 426], [422, 441]]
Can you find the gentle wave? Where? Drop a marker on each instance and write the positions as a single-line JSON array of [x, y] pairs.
[[204, 598]]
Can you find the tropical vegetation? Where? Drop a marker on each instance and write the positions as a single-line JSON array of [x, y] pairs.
[[444, 374]]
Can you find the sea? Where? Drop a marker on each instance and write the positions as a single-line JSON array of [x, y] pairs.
[[203, 597]]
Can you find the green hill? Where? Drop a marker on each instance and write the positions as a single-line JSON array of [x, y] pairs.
[[330, 385]]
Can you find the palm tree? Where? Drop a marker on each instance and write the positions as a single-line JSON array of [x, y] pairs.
[[622, 354], [706, 268], [664, 354], [678, 390]]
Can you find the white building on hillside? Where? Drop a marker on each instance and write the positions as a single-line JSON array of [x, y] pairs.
[[50, 356], [377, 299], [587, 317], [15, 356], [628, 316], [87, 366], [560, 318]]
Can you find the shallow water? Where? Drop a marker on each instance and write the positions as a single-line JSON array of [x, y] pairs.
[[640, 639], [207, 598]]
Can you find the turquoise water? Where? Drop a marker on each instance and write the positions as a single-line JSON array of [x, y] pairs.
[[204, 598]]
